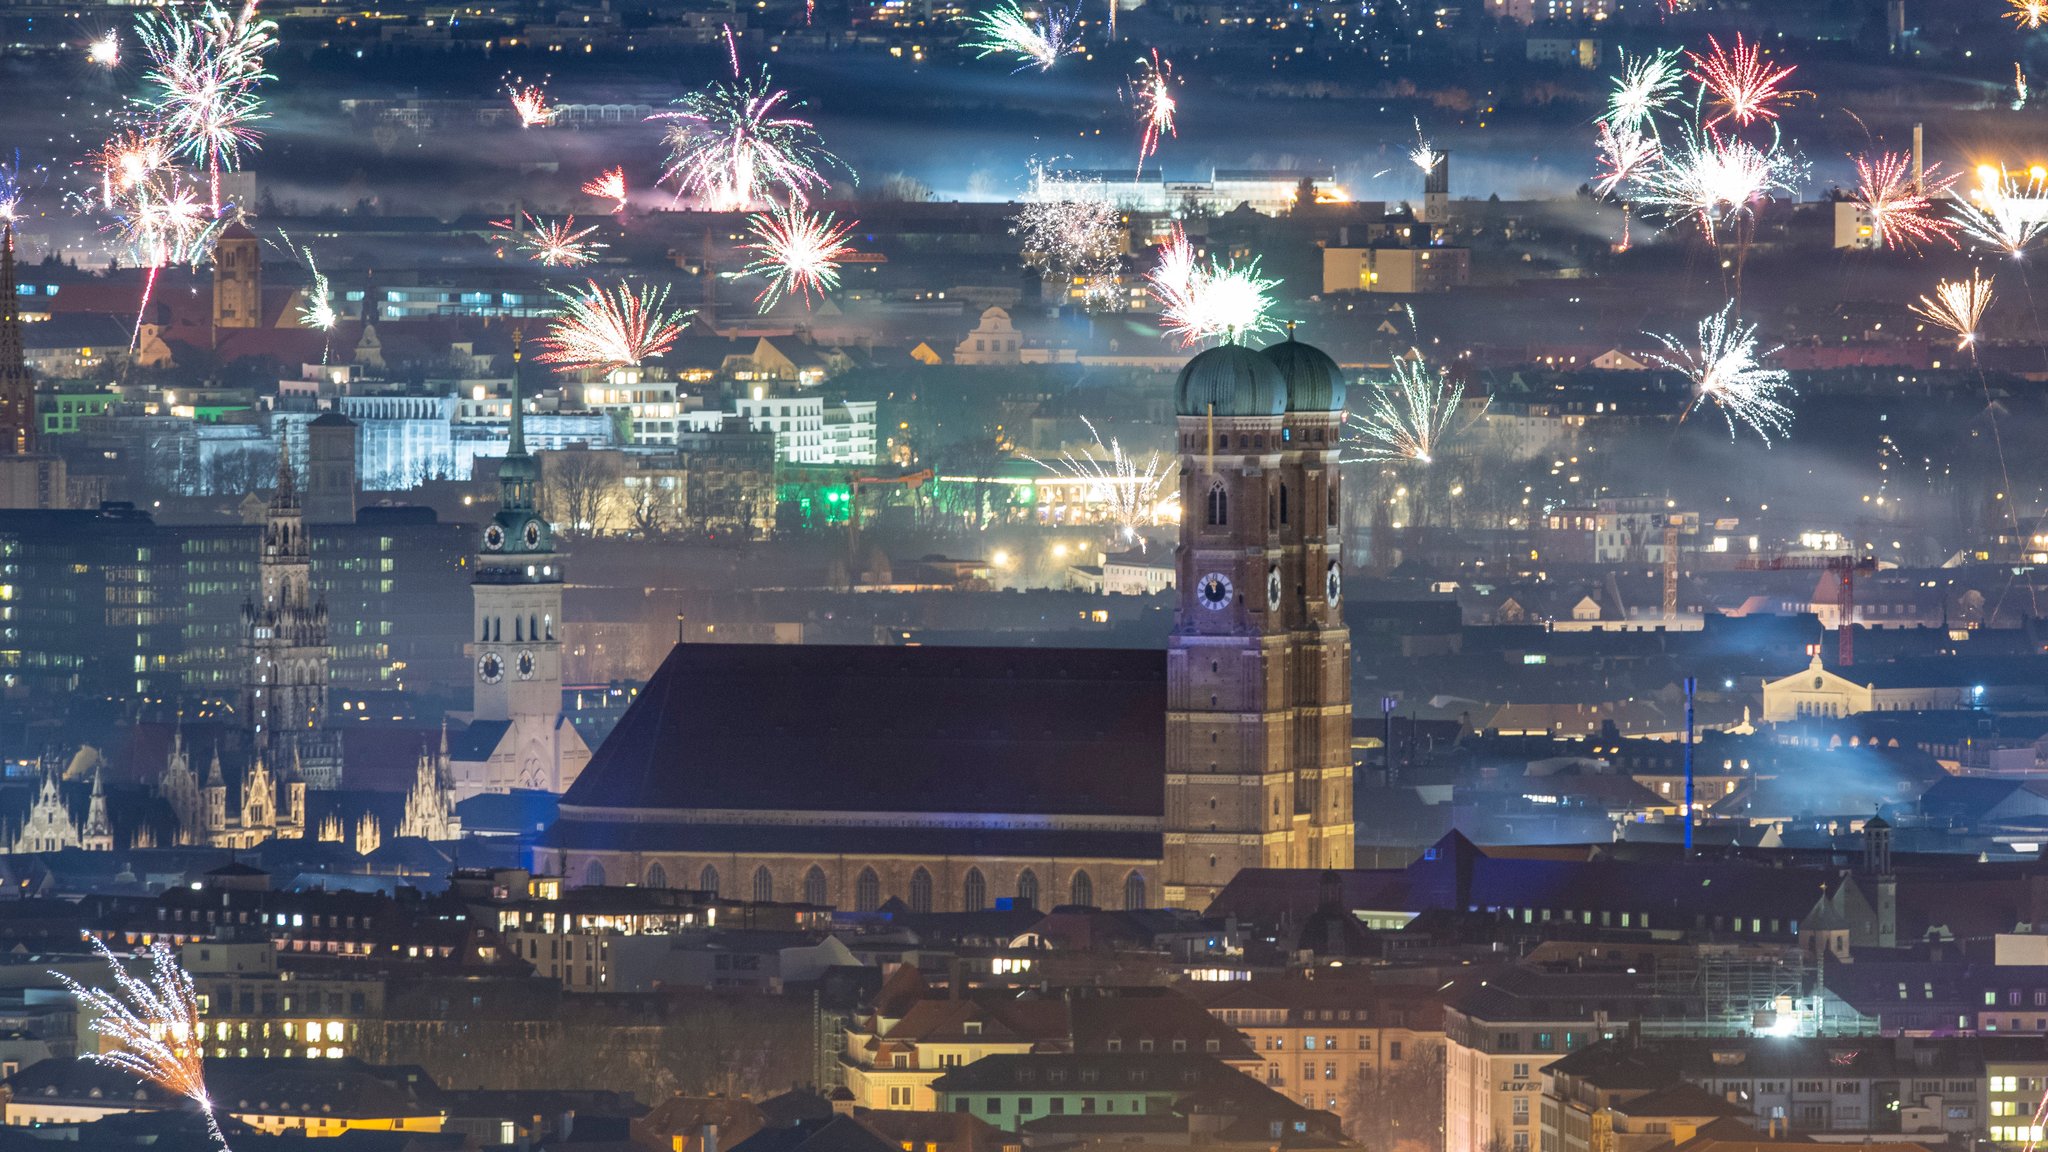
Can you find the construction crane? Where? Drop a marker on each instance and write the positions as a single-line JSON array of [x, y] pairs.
[[1673, 524], [1845, 591]]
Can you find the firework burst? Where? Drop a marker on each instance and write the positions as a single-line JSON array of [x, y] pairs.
[[1006, 31], [732, 147], [204, 71], [1424, 155], [318, 311], [1727, 371], [1741, 84], [1152, 98], [1214, 301], [105, 50], [1128, 489], [1646, 87], [1899, 206], [2028, 14], [798, 251], [1072, 231], [152, 1026], [2006, 211], [1957, 305], [1715, 180], [530, 104], [1409, 415], [552, 244], [603, 330], [609, 185], [1626, 155], [127, 162]]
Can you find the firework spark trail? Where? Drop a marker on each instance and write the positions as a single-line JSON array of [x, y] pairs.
[[1900, 207], [1006, 30], [1424, 155], [153, 1025], [732, 49], [609, 185], [105, 50], [1957, 305], [2028, 14], [1625, 157], [798, 251], [603, 330], [1072, 230], [2003, 212], [1745, 88], [1727, 371], [1646, 87], [1152, 98], [1130, 490], [1409, 415], [205, 71], [552, 244], [1716, 180], [2019, 84], [733, 147], [1198, 302]]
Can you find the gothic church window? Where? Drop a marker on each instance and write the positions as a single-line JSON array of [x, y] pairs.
[[708, 879], [1134, 892], [920, 891], [657, 876], [814, 885], [1027, 888], [764, 884], [1219, 506], [1082, 891], [973, 891], [867, 891], [593, 874]]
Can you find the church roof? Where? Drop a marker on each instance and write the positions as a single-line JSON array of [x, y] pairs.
[[915, 730], [1230, 380]]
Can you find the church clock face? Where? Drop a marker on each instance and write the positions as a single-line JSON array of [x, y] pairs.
[[1273, 586], [525, 663], [1333, 584], [490, 668], [532, 534], [494, 538], [1214, 591]]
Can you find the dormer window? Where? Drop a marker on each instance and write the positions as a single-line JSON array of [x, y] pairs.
[[971, 1027]]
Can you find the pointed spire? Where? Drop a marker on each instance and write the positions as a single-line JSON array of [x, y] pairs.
[[213, 776], [518, 447], [444, 738], [17, 388], [286, 496]]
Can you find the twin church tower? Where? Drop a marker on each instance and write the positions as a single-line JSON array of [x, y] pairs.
[[1258, 724]]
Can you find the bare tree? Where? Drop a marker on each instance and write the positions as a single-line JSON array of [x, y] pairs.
[[1399, 1107], [581, 490]]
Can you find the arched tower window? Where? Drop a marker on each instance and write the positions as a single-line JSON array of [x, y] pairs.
[[1134, 892], [764, 884], [1027, 888], [920, 891], [533, 622], [517, 633], [814, 885], [708, 879], [1219, 505], [1283, 503], [1082, 891], [657, 876], [867, 891], [973, 892], [593, 874], [1333, 505]]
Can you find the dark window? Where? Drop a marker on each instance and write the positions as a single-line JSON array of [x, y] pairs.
[[1219, 506], [1283, 503]]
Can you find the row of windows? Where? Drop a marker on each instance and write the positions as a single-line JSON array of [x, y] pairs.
[[867, 888]]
